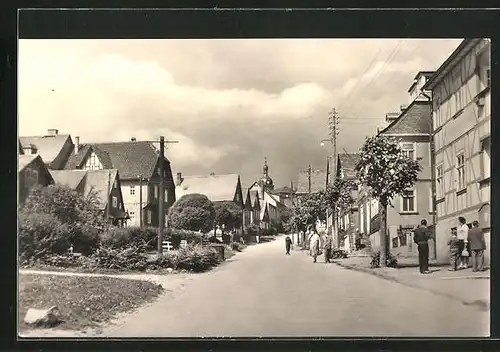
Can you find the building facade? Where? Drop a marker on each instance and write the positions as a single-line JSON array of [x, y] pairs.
[[32, 172], [461, 131]]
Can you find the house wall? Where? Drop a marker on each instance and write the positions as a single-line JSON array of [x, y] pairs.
[[116, 200], [32, 175], [461, 117]]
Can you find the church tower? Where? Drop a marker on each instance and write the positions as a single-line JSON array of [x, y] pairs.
[[266, 182]]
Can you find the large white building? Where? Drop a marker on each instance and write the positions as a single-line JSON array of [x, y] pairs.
[[461, 131]]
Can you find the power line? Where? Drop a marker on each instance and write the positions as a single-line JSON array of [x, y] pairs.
[[389, 59]]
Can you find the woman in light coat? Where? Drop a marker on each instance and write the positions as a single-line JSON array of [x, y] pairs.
[[314, 244]]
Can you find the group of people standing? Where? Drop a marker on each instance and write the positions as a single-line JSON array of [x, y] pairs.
[[314, 241], [464, 242]]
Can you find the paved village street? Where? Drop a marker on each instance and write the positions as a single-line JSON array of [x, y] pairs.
[[262, 292]]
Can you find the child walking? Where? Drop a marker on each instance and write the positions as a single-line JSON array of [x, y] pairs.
[[454, 251]]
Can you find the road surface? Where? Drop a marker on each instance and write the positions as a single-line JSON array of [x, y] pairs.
[[263, 292]]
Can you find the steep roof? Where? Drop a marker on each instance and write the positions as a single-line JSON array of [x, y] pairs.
[[25, 160], [215, 187], [247, 199], [348, 163], [318, 181], [414, 120], [87, 181], [48, 147], [69, 178], [131, 159], [254, 196]]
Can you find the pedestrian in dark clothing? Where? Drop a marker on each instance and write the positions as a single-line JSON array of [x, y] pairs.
[[454, 253], [421, 237], [328, 247], [288, 244], [475, 238]]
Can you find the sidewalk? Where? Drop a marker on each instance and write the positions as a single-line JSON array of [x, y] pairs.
[[463, 285]]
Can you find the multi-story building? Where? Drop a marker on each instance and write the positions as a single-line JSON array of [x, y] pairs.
[[138, 166], [461, 131], [412, 126]]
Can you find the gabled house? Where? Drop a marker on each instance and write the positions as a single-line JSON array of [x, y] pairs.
[[461, 108], [101, 185], [32, 172], [270, 207], [412, 126], [255, 201], [348, 220], [54, 148], [247, 209], [286, 195], [138, 164]]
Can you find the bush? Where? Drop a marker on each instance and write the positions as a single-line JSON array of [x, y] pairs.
[[121, 238], [252, 230], [40, 235], [197, 258], [176, 236], [391, 261], [338, 253], [60, 260], [131, 258]]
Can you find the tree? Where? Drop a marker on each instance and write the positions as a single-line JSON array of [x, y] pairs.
[[193, 212], [339, 195], [228, 215], [312, 207], [387, 171]]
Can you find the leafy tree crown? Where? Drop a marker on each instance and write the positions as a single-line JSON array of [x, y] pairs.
[[385, 169], [193, 212]]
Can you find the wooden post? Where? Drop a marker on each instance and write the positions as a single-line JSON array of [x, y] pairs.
[[161, 201]]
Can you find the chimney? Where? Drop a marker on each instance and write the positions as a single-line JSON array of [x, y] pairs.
[[132, 139], [179, 179], [391, 116], [77, 144], [403, 107], [52, 132]]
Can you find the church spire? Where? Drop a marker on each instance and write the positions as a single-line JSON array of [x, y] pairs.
[[265, 168]]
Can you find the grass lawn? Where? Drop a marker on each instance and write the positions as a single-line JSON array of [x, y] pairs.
[[84, 302]]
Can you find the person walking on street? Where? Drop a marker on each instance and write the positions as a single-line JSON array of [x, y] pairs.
[[328, 247], [454, 253], [288, 244], [462, 232], [314, 244], [477, 243], [421, 238]]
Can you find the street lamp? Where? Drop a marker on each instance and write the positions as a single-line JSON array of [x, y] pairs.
[[322, 142]]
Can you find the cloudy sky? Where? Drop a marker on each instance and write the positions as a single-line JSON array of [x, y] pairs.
[[229, 103]]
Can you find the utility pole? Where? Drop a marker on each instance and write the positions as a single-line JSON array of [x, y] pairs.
[[161, 198], [309, 171], [333, 120]]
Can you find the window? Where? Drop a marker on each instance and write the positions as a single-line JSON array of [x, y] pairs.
[[408, 201], [114, 200], [165, 196], [439, 182], [458, 100], [461, 171], [93, 162], [132, 216], [486, 158], [408, 150], [132, 190], [149, 217], [402, 239], [395, 242]]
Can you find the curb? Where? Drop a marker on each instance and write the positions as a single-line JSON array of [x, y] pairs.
[[480, 303]]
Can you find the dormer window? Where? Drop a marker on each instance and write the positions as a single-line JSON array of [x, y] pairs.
[[29, 149]]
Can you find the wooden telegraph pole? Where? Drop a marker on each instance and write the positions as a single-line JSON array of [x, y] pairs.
[[333, 132]]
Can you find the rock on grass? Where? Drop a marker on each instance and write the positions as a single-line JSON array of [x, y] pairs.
[[83, 302]]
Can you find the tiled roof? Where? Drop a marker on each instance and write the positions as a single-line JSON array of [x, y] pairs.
[[415, 119], [25, 160], [247, 199], [131, 159], [216, 187], [348, 163], [254, 196], [87, 181], [48, 147], [69, 178], [318, 181]]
